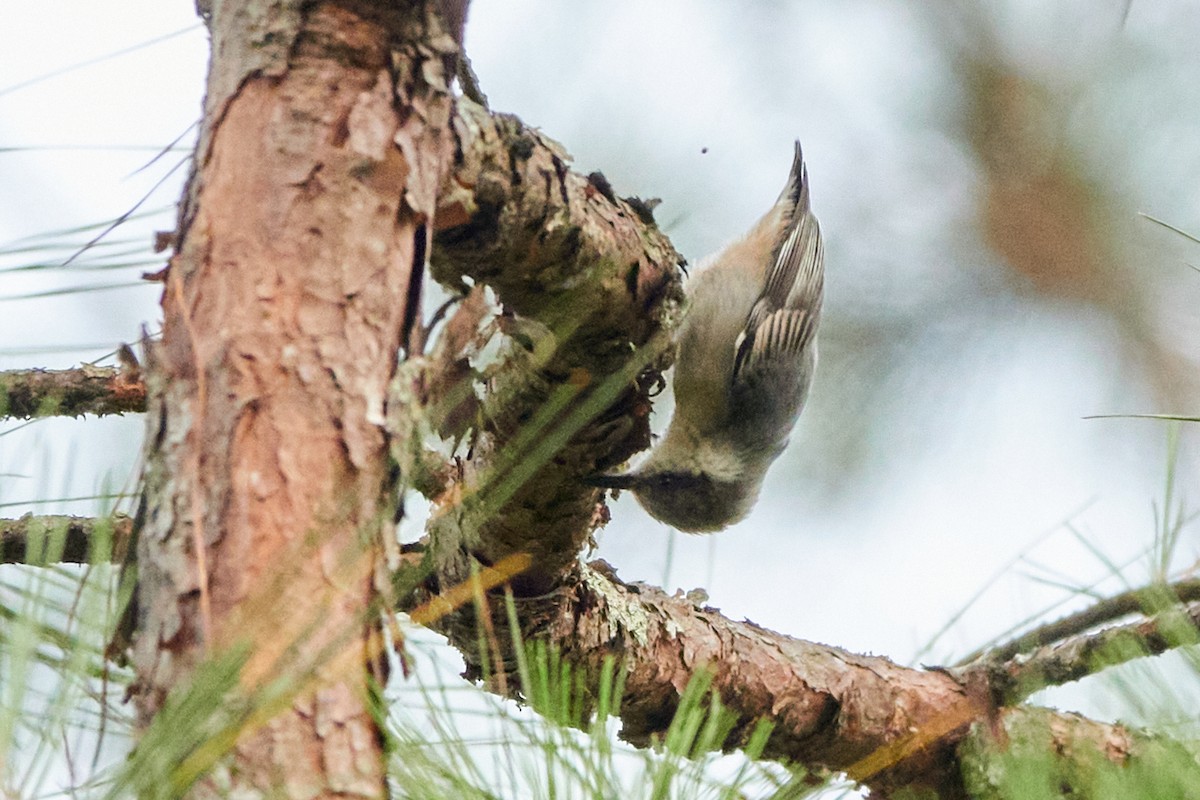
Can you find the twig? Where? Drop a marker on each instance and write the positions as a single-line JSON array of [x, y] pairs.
[[17, 536], [1146, 599], [1087, 654], [468, 81], [70, 392]]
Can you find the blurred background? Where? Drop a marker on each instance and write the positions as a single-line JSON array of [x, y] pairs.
[[1008, 193]]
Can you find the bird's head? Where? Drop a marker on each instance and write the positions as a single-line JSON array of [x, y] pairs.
[[693, 502]]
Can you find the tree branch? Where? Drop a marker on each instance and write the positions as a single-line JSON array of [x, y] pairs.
[[884, 725], [586, 289], [64, 539], [74, 392], [1066, 755], [1016, 678], [1146, 599]]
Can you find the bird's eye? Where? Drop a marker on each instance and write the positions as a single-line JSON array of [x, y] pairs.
[[664, 480]]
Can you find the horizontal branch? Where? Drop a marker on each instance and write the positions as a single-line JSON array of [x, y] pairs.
[[70, 392], [1009, 681], [1037, 752], [883, 724], [1087, 654], [1147, 599], [64, 539]]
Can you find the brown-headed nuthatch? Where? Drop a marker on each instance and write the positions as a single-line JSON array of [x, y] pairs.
[[747, 348]]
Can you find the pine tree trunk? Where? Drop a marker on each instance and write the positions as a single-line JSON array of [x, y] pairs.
[[302, 239]]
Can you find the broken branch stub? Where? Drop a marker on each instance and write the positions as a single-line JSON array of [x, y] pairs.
[[585, 292]]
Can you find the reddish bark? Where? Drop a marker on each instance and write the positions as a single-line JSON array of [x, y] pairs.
[[589, 288], [884, 725], [303, 242]]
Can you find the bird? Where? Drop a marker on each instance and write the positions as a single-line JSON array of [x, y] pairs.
[[746, 353]]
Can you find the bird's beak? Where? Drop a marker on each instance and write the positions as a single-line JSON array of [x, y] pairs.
[[625, 480]]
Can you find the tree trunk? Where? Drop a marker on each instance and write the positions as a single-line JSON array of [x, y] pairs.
[[303, 236]]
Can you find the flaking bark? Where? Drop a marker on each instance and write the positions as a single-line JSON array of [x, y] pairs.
[[886, 726], [302, 244], [587, 291]]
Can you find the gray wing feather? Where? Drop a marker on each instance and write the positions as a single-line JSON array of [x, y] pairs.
[[783, 320], [782, 335]]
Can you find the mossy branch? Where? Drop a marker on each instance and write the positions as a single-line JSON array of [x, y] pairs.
[[1143, 600], [1074, 657], [29, 393]]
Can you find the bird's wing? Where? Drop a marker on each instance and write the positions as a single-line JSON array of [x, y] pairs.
[[783, 320], [782, 335]]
